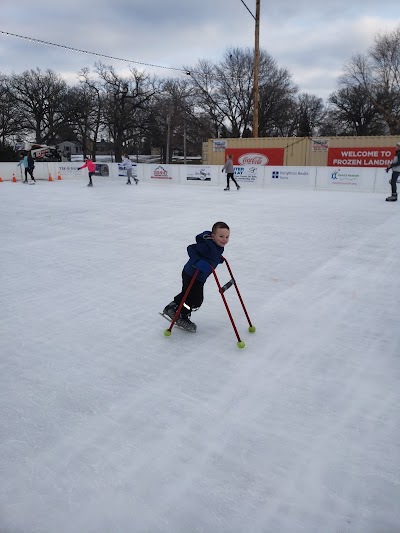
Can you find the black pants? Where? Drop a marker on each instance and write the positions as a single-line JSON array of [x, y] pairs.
[[30, 172], [90, 176], [194, 298], [229, 176], [393, 181]]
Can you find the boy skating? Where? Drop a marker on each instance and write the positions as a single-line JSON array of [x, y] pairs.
[[206, 252]]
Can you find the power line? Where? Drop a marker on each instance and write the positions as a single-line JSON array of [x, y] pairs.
[[47, 43], [248, 10]]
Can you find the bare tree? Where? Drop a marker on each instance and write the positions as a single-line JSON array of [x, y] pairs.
[[10, 115], [205, 85], [309, 116], [278, 104], [225, 92], [40, 97], [377, 73], [124, 100], [354, 113], [181, 125], [85, 106]]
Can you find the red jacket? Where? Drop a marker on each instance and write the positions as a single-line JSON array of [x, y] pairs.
[[90, 165]]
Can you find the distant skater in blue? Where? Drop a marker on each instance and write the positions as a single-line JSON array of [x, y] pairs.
[[29, 164], [204, 254]]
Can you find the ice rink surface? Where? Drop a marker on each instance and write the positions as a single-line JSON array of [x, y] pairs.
[[107, 426]]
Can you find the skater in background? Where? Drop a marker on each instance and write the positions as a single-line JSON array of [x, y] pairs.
[[29, 164], [91, 169], [128, 166], [228, 167], [395, 168], [206, 252]]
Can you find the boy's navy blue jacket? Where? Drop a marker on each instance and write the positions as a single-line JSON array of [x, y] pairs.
[[205, 249]]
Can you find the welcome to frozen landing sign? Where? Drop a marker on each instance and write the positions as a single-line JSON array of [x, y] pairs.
[[360, 157]]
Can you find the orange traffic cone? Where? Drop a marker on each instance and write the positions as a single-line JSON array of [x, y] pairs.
[[14, 179], [50, 178], [59, 176]]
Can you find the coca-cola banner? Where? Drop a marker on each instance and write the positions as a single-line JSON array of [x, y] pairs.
[[256, 156], [360, 157]]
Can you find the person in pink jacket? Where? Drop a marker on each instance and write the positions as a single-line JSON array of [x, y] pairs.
[[91, 169]]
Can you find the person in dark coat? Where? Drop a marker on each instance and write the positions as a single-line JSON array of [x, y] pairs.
[[29, 164], [204, 255], [395, 168]]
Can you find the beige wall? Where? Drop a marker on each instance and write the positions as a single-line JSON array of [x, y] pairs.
[[298, 150]]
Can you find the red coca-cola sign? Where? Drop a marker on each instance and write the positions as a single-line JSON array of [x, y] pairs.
[[256, 156], [253, 159]]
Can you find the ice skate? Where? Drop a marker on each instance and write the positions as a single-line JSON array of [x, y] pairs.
[[136, 180], [90, 184], [226, 189], [392, 198], [185, 323], [237, 187], [128, 182], [170, 310]]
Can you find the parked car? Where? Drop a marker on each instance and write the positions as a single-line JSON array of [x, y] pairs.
[[102, 170]]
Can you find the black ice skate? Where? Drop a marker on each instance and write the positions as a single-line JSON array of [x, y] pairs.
[[136, 180], [226, 189], [392, 198], [128, 182], [90, 184], [237, 187], [185, 323], [170, 310]]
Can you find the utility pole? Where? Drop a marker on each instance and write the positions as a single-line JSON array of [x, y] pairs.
[[184, 140], [256, 69], [168, 135]]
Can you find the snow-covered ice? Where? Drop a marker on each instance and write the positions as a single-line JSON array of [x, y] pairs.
[[108, 426]]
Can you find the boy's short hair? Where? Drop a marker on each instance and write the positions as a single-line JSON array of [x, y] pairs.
[[219, 225]]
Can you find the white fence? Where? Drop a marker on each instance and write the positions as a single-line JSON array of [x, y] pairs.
[[328, 178]]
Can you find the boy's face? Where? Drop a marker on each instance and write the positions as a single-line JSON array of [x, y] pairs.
[[221, 236]]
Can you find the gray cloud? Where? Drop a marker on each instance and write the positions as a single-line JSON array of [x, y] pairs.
[[312, 41]]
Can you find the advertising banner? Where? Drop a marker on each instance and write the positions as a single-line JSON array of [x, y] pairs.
[[256, 156], [160, 172], [361, 179], [219, 145], [319, 145], [248, 174], [360, 157], [70, 170], [198, 173], [302, 177]]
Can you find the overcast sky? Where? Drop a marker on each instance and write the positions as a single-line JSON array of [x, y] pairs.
[[313, 40]]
